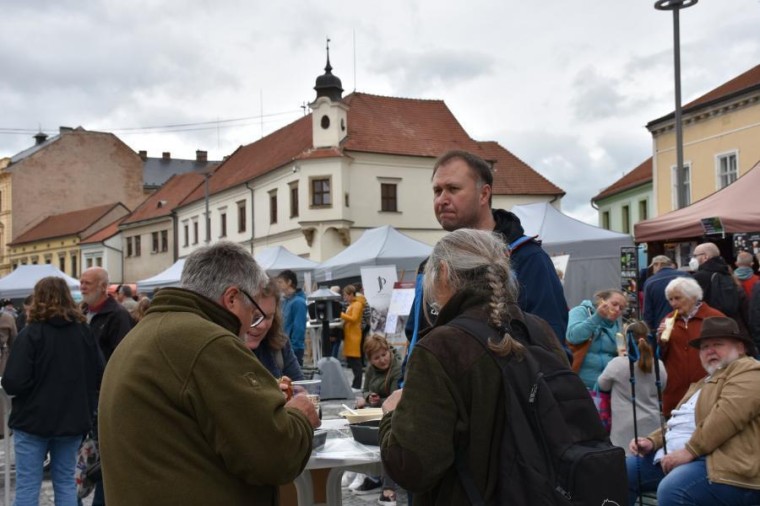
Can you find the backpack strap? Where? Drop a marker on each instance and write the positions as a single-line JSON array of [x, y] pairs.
[[514, 245], [521, 379]]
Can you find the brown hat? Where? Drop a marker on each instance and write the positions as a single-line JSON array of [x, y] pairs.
[[661, 260], [722, 326]]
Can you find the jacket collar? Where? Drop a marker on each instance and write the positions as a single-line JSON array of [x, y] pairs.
[[182, 300]]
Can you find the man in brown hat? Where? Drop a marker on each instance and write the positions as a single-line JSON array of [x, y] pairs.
[[713, 436]]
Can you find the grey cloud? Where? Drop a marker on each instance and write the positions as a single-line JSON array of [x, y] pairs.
[[595, 96]]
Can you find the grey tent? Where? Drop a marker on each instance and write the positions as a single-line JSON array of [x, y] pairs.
[[594, 252], [20, 283], [169, 277], [377, 246], [278, 258]]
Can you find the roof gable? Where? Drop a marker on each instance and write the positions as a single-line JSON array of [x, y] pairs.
[[60, 225], [162, 202], [103, 234], [512, 176], [637, 177]]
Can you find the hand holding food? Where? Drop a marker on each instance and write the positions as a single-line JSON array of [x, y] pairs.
[[373, 399], [303, 404], [669, 324], [286, 385]]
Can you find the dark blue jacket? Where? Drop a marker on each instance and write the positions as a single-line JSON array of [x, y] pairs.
[[269, 359], [54, 373], [294, 318], [656, 305]]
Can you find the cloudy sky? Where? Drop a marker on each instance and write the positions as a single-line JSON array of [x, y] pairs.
[[566, 85]]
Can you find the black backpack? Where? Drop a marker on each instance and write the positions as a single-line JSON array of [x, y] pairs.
[[555, 450], [724, 294]]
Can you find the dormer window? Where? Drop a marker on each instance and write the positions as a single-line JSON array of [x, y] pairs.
[[325, 122]]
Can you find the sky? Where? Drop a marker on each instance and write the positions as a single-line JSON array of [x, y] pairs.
[[567, 86]]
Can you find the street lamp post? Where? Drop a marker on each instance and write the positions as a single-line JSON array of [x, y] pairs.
[[676, 6]]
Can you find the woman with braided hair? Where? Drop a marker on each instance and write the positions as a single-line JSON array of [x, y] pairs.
[[452, 402]]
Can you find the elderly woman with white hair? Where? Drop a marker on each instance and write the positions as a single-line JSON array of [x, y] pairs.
[[681, 360]]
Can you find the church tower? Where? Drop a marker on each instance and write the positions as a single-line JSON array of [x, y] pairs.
[[329, 114]]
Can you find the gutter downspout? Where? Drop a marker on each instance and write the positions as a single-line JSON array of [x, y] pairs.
[[253, 234]]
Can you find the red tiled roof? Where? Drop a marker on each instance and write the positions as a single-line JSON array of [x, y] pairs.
[[638, 176], [165, 199], [512, 176], [103, 234], [60, 225], [740, 84], [376, 124]]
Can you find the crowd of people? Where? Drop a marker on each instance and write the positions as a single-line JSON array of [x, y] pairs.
[[190, 394]]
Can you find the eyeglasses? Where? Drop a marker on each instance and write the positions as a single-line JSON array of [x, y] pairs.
[[256, 319]]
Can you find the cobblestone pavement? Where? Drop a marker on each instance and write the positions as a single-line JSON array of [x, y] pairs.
[[329, 410]]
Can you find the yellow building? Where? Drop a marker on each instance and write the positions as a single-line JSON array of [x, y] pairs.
[[55, 240], [720, 136]]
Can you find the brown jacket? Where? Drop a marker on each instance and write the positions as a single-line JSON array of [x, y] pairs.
[[728, 424]]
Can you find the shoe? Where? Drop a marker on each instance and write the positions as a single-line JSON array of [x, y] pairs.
[[387, 498], [368, 486], [348, 477], [358, 480]]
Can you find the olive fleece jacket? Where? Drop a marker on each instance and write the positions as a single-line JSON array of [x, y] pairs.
[[189, 416]]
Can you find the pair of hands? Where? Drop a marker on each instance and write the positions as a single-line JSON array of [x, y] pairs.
[[644, 446], [299, 400], [373, 401]]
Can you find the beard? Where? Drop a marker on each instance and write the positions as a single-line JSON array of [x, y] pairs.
[[724, 362]]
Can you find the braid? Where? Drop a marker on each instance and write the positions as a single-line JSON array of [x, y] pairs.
[[499, 276]]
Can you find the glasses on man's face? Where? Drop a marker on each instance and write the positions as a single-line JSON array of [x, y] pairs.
[[256, 319]]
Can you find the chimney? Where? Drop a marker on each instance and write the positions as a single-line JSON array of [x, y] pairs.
[[143, 154], [166, 155], [201, 156], [39, 138]]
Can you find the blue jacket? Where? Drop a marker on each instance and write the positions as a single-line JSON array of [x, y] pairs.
[[585, 323], [294, 315], [656, 304], [284, 365]]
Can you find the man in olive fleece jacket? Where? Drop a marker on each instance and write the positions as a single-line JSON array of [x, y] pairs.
[[188, 416]]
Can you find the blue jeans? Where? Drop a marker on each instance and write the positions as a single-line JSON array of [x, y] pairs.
[[30, 456], [687, 484]]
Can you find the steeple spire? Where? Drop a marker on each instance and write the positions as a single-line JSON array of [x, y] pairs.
[[329, 85]]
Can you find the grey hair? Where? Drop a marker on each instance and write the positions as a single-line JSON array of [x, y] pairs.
[[687, 286], [212, 269], [477, 260], [744, 259]]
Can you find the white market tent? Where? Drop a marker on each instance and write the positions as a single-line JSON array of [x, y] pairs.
[[278, 258], [377, 246], [594, 252], [169, 277], [20, 283]]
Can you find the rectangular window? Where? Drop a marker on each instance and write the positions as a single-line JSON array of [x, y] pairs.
[[62, 263], [195, 232], [626, 220], [606, 220], [686, 188], [294, 200], [223, 224], [137, 246], [388, 201], [320, 192], [241, 216], [99, 261], [643, 210], [187, 235], [88, 263], [273, 206], [154, 240], [129, 246], [164, 241], [74, 273], [727, 170]]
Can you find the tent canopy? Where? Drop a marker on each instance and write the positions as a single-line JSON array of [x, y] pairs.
[[20, 283], [735, 205], [594, 252], [278, 258], [169, 277], [377, 246]]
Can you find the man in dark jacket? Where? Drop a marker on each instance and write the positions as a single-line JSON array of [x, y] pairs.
[[462, 186], [711, 264], [656, 304], [108, 319]]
